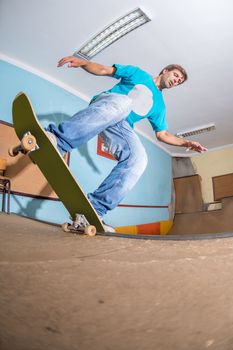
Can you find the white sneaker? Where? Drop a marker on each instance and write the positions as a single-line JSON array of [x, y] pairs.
[[52, 138], [108, 228]]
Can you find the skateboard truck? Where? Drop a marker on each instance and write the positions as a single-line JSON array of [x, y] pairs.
[[27, 145], [80, 224]]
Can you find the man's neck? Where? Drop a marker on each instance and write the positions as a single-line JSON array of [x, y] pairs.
[[157, 81]]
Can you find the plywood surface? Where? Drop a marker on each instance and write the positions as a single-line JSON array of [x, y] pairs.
[[188, 194], [26, 178], [223, 186]]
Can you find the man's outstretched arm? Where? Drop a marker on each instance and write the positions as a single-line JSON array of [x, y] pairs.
[[90, 67], [171, 139]]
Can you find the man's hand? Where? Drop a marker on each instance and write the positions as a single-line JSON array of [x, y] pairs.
[[195, 146], [88, 66], [72, 62], [166, 137]]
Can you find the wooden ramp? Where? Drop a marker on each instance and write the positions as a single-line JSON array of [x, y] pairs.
[[191, 216]]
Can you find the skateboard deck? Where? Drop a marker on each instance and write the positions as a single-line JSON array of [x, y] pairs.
[[48, 159]]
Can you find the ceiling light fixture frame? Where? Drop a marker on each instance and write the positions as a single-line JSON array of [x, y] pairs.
[[196, 131], [112, 33]]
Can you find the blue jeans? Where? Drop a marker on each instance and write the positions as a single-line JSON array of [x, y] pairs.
[[106, 116]]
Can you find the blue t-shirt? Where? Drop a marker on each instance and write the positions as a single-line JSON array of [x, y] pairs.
[[147, 99]]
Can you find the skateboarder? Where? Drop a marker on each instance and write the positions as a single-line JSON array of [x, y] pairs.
[[112, 114]]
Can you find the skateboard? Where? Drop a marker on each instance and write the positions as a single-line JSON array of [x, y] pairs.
[[35, 143]]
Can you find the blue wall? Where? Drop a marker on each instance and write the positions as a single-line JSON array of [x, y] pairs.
[[52, 103]]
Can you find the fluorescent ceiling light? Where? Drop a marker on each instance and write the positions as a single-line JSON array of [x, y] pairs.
[[196, 131], [113, 32]]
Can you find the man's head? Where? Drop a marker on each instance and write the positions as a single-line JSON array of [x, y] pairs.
[[172, 75]]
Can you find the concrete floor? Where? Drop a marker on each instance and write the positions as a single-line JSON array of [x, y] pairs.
[[62, 291]]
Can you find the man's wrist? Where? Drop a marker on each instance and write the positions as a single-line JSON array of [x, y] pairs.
[[186, 143]]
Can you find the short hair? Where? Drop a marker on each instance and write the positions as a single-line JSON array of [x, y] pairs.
[[175, 66]]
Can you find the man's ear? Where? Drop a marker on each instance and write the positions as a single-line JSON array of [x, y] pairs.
[[165, 70]]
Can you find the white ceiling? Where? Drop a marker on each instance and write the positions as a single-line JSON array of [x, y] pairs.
[[197, 34]]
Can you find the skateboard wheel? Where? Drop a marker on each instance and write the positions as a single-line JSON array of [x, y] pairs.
[[65, 227], [28, 143], [90, 230]]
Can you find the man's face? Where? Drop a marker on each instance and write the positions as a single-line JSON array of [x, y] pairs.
[[171, 78]]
